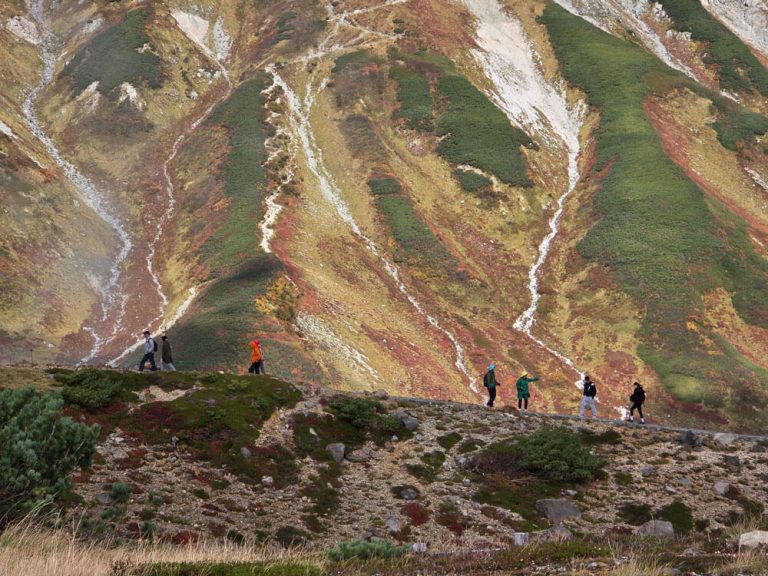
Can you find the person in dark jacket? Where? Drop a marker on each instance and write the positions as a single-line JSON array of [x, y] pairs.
[[588, 399], [489, 381], [637, 399], [523, 392], [150, 347], [166, 355]]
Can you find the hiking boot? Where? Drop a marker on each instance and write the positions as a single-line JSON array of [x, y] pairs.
[[642, 420], [631, 419]]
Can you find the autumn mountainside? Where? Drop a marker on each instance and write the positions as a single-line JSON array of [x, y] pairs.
[[560, 187]]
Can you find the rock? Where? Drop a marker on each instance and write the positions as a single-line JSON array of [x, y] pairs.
[[393, 524], [731, 460], [245, 452], [656, 529], [557, 510], [757, 448], [370, 534], [409, 493], [669, 571], [103, 498], [521, 538], [571, 493], [691, 552], [174, 441], [360, 456], [466, 481], [557, 533], [670, 489], [753, 540], [381, 395], [337, 450], [647, 471], [690, 438], [418, 547], [596, 565], [267, 481], [686, 481], [722, 487], [408, 421], [724, 439], [461, 461]]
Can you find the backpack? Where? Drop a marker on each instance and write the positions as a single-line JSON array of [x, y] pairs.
[[154, 344]]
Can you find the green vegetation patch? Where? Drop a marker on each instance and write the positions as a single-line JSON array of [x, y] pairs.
[[557, 455], [661, 238], [384, 185], [590, 438], [449, 440], [739, 126], [414, 98], [92, 389], [476, 132], [432, 463], [471, 181], [364, 549], [737, 67], [284, 26], [40, 448], [679, 515], [635, 513], [351, 58], [116, 56]]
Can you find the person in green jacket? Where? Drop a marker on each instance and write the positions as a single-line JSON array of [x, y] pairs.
[[523, 393]]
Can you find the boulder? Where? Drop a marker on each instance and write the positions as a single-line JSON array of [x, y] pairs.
[[245, 452], [753, 540], [557, 533], [557, 510], [722, 487], [690, 438], [360, 456], [408, 421], [724, 439], [521, 538], [381, 395], [656, 529], [393, 525], [418, 547], [267, 480], [731, 460], [337, 450], [647, 471], [103, 498], [408, 493]]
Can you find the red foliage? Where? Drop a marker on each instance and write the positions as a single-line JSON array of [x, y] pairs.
[[416, 513]]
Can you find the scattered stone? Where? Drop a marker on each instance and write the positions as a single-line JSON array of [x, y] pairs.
[[267, 481], [670, 571], [381, 395], [418, 547], [757, 448], [722, 487], [337, 450], [174, 441], [647, 471], [731, 460], [571, 493], [596, 565], [686, 481], [360, 456], [409, 493], [690, 438], [461, 461], [691, 552], [466, 481], [245, 452], [408, 421], [724, 439], [557, 510], [103, 498], [753, 540], [656, 529], [393, 524], [557, 533], [521, 538], [670, 489], [312, 432]]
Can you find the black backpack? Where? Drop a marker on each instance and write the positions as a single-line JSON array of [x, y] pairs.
[[154, 343]]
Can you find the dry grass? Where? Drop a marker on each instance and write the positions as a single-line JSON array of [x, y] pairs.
[[27, 550], [19, 377]]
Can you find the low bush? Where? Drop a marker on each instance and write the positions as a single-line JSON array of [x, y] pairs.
[[363, 549], [471, 181], [449, 440], [679, 515], [40, 448], [635, 513], [557, 455], [358, 57], [90, 389], [414, 98]]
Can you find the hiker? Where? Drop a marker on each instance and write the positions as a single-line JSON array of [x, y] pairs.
[[489, 381], [523, 393], [150, 347], [257, 360], [166, 356], [636, 400], [590, 391]]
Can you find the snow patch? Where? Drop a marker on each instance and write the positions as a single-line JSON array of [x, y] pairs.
[[194, 26], [221, 40], [5, 129], [24, 29], [128, 92]]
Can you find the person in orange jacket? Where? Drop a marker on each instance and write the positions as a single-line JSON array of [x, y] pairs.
[[257, 359]]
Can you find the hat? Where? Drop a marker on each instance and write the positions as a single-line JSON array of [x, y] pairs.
[[491, 366], [523, 374], [146, 332]]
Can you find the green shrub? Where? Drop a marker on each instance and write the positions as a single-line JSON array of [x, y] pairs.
[[359, 412], [739, 126], [623, 478], [414, 98], [449, 440], [40, 448], [230, 569], [635, 513], [477, 133], [610, 436], [363, 549], [471, 181], [679, 515], [384, 186], [358, 57], [113, 57], [432, 464], [120, 492], [557, 455], [737, 66], [90, 388]]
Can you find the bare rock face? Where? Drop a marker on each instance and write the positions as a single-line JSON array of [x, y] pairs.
[[656, 529], [337, 450], [359, 456], [557, 510], [753, 540]]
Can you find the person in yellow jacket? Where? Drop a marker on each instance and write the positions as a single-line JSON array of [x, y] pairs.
[[257, 359]]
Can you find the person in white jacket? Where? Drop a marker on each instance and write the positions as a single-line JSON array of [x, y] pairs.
[[150, 347]]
